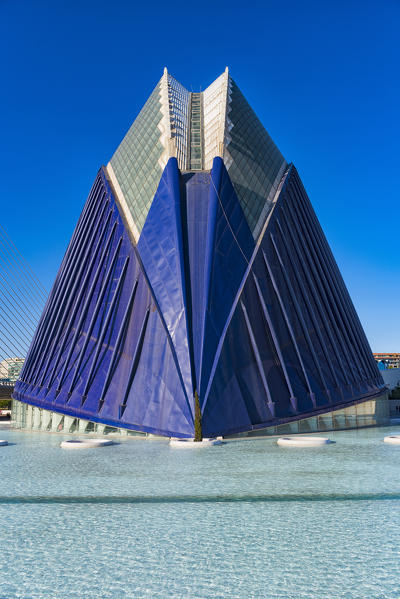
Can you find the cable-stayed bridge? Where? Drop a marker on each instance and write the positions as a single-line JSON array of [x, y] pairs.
[[22, 298]]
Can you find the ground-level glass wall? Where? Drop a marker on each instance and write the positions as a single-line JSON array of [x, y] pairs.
[[28, 417], [374, 412]]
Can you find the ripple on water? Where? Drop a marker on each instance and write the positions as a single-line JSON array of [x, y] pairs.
[[246, 519]]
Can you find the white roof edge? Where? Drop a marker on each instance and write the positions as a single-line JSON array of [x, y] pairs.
[[126, 213], [215, 109]]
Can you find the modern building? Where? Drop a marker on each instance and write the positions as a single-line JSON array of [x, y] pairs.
[[10, 369], [198, 268], [388, 360]]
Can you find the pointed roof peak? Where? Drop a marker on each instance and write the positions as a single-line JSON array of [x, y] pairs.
[[167, 74]]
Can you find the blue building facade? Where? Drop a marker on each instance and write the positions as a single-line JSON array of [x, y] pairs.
[[198, 266]]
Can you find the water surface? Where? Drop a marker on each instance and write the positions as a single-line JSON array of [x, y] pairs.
[[246, 519]]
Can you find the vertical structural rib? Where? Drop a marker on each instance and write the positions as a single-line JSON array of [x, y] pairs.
[[276, 343], [289, 327], [270, 403], [135, 362], [120, 339], [104, 329]]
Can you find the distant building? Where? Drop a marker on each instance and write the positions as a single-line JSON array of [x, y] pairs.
[[10, 369], [390, 360], [391, 377], [198, 269]]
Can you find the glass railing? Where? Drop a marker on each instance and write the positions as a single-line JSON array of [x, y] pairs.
[[195, 161]]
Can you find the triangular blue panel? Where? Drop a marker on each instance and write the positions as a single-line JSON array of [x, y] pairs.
[[195, 192], [161, 252], [266, 334], [102, 351], [228, 249], [294, 346]]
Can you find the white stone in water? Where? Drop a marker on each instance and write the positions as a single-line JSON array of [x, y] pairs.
[[85, 444], [192, 444], [392, 439], [299, 441]]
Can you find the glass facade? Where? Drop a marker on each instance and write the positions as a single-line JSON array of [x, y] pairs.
[[374, 412], [179, 99], [214, 118], [28, 417], [254, 163], [136, 161], [253, 160], [196, 134]]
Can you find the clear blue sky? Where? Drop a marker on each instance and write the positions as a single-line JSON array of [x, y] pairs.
[[322, 76]]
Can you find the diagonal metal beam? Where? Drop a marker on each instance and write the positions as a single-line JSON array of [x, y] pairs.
[[267, 317], [260, 368]]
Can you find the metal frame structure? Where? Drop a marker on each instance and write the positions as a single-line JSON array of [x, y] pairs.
[[223, 287]]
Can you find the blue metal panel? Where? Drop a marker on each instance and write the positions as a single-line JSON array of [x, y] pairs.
[[229, 246], [288, 297], [105, 342], [195, 195], [265, 333], [161, 252]]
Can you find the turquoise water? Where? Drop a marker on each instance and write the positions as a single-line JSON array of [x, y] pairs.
[[242, 520]]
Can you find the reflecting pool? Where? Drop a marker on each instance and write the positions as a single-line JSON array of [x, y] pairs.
[[245, 519]]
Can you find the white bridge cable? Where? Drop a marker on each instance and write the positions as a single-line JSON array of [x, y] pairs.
[[27, 269], [17, 304], [12, 350], [17, 277], [22, 299], [12, 270], [17, 284], [9, 347], [20, 335], [17, 337]]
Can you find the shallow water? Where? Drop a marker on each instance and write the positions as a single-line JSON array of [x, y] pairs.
[[245, 519]]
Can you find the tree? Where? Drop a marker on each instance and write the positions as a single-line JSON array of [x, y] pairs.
[[198, 434]]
